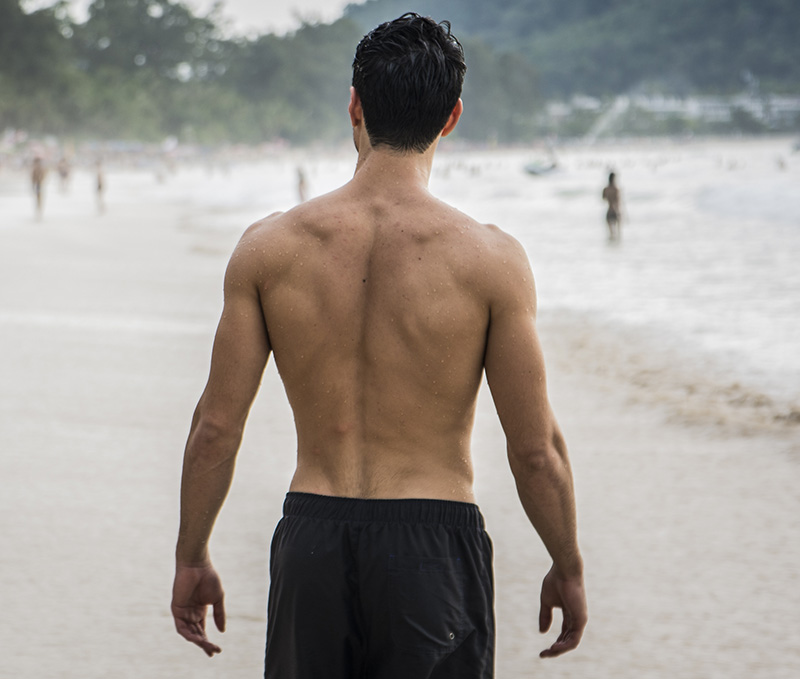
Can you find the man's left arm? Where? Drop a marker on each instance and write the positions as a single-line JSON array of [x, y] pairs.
[[240, 353]]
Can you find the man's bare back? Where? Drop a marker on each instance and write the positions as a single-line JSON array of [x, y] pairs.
[[376, 300]]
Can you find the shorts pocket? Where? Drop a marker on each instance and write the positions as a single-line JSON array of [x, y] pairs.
[[427, 603]]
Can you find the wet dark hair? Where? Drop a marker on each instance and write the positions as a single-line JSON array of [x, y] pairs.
[[408, 74]]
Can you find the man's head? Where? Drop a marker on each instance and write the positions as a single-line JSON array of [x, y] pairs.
[[408, 75], [611, 178]]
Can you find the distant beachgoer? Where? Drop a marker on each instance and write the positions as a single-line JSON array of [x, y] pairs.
[[302, 185], [64, 169], [384, 308], [38, 174], [611, 195], [100, 187]]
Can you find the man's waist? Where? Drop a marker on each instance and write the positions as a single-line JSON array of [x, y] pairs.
[[390, 510]]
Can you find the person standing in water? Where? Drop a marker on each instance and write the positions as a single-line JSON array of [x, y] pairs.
[[383, 307], [611, 195]]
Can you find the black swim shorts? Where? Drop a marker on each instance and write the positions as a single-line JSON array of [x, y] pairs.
[[380, 589]]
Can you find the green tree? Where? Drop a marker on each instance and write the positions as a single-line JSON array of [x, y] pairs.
[[299, 82], [162, 36], [40, 84]]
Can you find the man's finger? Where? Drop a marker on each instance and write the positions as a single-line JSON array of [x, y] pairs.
[[195, 633], [219, 614], [190, 630], [545, 617], [210, 649], [568, 640], [569, 643]]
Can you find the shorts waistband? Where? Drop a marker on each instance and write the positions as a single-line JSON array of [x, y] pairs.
[[443, 512]]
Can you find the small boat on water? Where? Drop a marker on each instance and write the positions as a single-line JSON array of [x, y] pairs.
[[545, 163], [537, 168]]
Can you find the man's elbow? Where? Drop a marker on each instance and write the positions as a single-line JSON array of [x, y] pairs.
[[535, 460], [213, 432]]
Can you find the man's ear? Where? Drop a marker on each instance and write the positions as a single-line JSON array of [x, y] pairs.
[[452, 121], [354, 109]]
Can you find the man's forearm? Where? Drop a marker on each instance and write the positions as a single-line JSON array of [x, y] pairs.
[[208, 467], [545, 489]]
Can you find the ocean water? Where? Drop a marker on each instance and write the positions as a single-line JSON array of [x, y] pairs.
[[701, 296]]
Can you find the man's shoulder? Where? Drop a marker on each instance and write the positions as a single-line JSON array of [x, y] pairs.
[[493, 258], [497, 242], [300, 219], [501, 258], [258, 241], [266, 227], [278, 237], [487, 233], [273, 231]]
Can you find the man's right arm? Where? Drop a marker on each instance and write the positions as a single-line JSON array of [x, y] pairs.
[[241, 350], [537, 452]]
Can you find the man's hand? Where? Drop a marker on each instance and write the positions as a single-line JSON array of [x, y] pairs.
[[196, 588], [567, 594]]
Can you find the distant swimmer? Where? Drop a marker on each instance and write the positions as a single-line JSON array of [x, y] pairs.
[[384, 308], [611, 195], [38, 173]]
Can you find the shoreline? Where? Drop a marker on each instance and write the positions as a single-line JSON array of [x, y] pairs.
[[691, 391]]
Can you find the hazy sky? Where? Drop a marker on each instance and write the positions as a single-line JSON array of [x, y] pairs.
[[248, 16]]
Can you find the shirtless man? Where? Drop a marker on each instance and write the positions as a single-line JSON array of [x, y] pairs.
[[614, 213], [383, 307]]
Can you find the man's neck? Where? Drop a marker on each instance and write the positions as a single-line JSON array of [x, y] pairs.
[[388, 168]]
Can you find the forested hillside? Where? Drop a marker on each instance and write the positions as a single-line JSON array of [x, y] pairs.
[[603, 47], [145, 69]]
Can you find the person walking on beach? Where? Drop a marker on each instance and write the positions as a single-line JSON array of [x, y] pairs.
[[38, 173], [100, 186], [64, 170], [383, 307], [302, 186], [614, 213]]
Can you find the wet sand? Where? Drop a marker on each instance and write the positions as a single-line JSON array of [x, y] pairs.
[[689, 524]]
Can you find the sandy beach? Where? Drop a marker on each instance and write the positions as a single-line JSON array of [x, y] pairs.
[[688, 504]]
